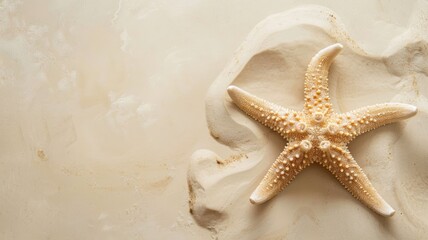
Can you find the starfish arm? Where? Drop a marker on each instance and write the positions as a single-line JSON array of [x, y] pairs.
[[316, 80], [286, 167], [277, 118], [365, 119], [340, 162]]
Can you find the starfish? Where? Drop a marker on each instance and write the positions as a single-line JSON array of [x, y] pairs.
[[319, 135]]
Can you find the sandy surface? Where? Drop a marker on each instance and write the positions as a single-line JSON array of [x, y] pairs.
[[113, 111]]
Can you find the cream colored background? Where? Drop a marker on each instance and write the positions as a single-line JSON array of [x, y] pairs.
[[102, 104]]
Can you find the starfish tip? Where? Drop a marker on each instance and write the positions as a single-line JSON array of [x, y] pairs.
[[232, 90], [386, 210], [412, 110], [328, 53], [257, 198], [405, 110], [337, 45], [333, 49]]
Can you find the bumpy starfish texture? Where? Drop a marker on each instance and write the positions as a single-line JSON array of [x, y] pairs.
[[319, 135]]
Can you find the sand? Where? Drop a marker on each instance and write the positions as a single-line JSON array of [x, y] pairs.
[[116, 124]]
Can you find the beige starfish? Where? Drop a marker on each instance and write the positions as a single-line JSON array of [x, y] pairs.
[[318, 134]]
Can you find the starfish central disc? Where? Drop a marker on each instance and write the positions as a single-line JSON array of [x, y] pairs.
[[324, 145], [305, 145], [318, 116]]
